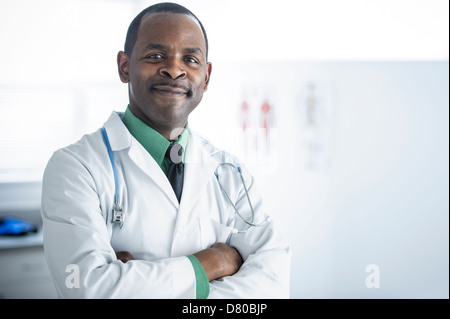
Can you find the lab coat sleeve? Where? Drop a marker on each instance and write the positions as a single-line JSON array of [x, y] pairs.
[[265, 272], [77, 244]]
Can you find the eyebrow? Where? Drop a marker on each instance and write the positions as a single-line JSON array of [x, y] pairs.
[[194, 51], [153, 46]]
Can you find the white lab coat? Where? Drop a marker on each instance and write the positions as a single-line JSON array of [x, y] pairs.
[[80, 241]]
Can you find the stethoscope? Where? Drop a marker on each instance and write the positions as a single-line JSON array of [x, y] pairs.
[[118, 214], [251, 224]]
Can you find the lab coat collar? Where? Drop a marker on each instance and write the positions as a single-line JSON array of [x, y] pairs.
[[199, 164], [118, 134], [120, 139]]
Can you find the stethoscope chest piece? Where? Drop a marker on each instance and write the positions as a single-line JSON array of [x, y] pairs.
[[118, 215]]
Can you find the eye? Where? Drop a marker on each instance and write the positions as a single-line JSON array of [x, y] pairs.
[[154, 56], [191, 60]]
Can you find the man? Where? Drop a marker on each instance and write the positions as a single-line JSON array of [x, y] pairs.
[[180, 236]]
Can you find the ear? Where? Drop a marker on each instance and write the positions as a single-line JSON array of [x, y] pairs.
[[123, 63], [207, 76]]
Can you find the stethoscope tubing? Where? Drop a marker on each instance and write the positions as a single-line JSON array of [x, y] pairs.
[[250, 223], [119, 215]]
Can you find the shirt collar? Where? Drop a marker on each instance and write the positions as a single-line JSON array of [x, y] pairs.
[[150, 139]]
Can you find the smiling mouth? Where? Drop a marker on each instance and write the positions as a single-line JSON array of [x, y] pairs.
[[170, 91]]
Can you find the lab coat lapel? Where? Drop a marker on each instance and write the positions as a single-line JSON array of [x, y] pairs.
[[148, 165], [198, 170], [120, 138]]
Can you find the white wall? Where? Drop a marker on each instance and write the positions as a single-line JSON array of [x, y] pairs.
[[350, 30], [380, 194]]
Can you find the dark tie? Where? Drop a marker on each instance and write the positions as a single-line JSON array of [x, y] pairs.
[[175, 173]]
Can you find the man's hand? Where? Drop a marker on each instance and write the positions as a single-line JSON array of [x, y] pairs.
[[124, 256], [219, 260]]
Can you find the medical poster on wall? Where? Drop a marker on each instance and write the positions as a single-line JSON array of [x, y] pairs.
[[259, 127], [315, 120]]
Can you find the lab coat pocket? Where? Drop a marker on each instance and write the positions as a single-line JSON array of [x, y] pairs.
[[212, 232]]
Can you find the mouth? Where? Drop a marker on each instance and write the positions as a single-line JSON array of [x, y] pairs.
[[170, 91]]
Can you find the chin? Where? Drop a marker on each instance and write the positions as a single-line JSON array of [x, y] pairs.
[[174, 116]]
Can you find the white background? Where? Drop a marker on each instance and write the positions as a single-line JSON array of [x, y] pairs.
[[379, 192]]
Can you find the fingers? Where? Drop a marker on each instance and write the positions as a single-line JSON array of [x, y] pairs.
[[124, 256]]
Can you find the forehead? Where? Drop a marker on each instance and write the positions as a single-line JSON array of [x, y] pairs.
[[167, 28]]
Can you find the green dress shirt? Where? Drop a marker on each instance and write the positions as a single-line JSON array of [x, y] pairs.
[[157, 145]]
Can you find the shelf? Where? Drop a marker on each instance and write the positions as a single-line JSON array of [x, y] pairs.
[[30, 240]]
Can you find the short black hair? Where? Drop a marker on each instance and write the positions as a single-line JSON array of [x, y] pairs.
[[158, 8]]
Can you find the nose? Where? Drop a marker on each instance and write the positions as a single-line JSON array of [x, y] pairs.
[[172, 68]]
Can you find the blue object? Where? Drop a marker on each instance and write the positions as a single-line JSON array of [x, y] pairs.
[[15, 226], [118, 214], [111, 158]]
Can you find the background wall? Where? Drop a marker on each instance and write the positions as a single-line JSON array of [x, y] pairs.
[[354, 165], [372, 190]]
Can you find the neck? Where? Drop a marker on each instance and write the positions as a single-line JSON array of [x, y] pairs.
[[170, 131]]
